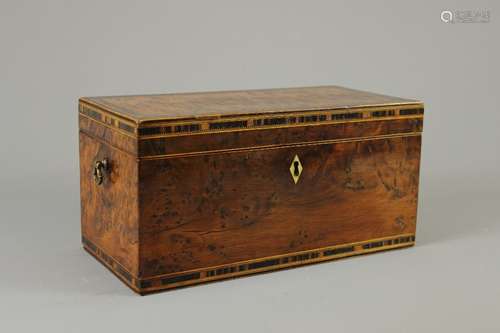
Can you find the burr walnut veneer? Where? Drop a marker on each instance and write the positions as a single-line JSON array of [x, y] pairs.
[[179, 189]]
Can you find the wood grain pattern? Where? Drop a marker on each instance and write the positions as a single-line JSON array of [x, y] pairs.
[[249, 267], [187, 208], [109, 212], [108, 135], [192, 106], [213, 210], [276, 137]]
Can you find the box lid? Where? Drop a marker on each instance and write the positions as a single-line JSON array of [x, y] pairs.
[[233, 104]]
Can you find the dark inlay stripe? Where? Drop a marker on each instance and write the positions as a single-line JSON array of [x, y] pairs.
[[404, 239], [339, 250], [144, 284], [107, 120], [257, 122], [289, 120], [106, 258], [312, 118], [187, 128], [275, 121], [228, 124], [125, 127], [372, 245], [385, 113], [89, 244], [300, 257], [400, 240], [222, 271], [180, 278], [265, 263], [155, 130], [91, 113], [126, 275], [347, 116], [408, 112]]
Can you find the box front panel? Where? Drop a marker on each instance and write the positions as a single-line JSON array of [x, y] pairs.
[[204, 211]]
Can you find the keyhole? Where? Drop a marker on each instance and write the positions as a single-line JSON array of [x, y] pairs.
[[296, 168]]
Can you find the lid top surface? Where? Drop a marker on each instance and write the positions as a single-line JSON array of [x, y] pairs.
[[177, 106]]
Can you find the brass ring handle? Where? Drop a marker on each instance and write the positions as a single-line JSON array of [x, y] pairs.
[[99, 168]]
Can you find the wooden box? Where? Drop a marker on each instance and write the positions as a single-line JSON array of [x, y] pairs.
[[180, 189]]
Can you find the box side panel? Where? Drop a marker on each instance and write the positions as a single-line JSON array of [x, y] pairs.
[[205, 211], [109, 211]]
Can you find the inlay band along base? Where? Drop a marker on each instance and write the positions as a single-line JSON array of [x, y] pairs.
[[249, 267]]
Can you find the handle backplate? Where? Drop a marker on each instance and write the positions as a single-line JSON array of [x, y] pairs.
[[100, 168]]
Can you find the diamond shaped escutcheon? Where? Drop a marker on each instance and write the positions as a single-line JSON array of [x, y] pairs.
[[296, 169]]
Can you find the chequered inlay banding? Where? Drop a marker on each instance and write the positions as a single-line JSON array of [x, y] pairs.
[[275, 121], [106, 119], [228, 124], [108, 261], [172, 129], [258, 265], [91, 113], [408, 112], [275, 263]]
